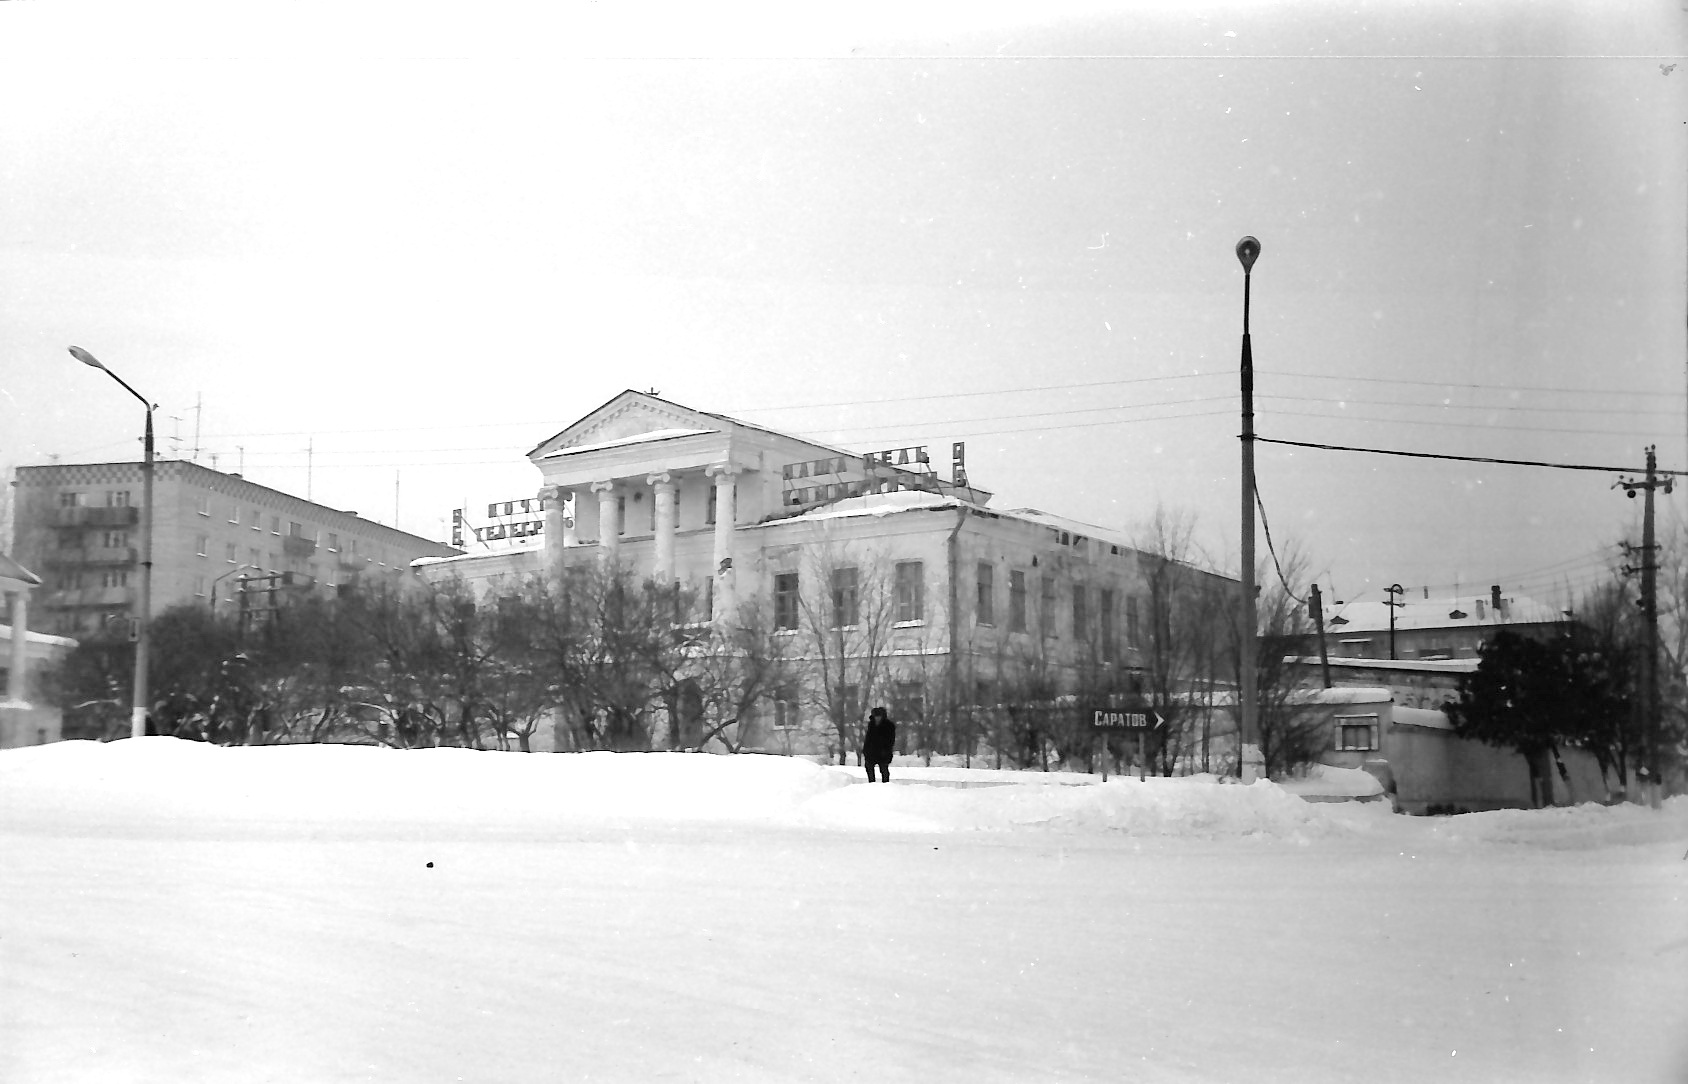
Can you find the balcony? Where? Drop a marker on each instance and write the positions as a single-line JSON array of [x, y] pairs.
[[84, 556], [97, 517], [295, 546], [97, 597]]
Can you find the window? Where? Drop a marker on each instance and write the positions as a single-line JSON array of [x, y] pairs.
[[296, 529], [1081, 611], [228, 553], [333, 542], [253, 516], [199, 586], [908, 702], [114, 577], [846, 611], [1046, 612], [785, 600], [254, 558], [115, 540], [1105, 604], [985, 611], [911, 591], [201, 545], [275, 524], [852, 698], [202, 505], [1356, 733], [1016, 601], [709, 515], [785, 707], [1133, 629], [234, 514], [117, 498], [72, 500]]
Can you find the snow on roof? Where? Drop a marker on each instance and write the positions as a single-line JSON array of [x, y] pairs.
[[873, 504], [637, 438], [38, 637], [1426, 717], [1350, 695], [1437, 613], [1435, 666], [1073, 526]]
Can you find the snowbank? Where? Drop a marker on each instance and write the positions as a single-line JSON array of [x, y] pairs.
[[166, 786]]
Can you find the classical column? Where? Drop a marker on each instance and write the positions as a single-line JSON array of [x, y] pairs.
[[609, 520], [662, 524], [15, 685], [723, 473], [551, 503]]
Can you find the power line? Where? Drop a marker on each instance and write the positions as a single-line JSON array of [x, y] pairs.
[[1467, 458], [1476, 387]]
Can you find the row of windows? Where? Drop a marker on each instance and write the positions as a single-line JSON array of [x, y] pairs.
[[908, 703], [908, 600], [72, 579], [113, 498], [984, 611]]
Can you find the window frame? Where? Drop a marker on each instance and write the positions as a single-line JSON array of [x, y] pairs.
[[984, 601], [1343, 723], [846, 597], [787, 612], [910, 589]]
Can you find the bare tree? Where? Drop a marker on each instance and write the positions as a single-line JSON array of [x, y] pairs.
[[734, 669], [847, 608]]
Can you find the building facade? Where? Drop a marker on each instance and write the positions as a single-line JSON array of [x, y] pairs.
[[883, 577], [80, 524]]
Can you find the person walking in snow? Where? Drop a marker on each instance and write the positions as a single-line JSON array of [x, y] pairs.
[[878, 743]]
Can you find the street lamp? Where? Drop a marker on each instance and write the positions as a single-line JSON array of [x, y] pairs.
[[226, 575], [1248, 250], [138, 709], [1394, 591]]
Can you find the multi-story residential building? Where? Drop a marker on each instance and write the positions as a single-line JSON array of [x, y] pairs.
[[876, 553], [79, 524]]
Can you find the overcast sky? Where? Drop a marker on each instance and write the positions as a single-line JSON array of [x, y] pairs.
[[377, 252]]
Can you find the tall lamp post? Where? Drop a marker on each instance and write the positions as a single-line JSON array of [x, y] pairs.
[[1248, 250], [138, 708]]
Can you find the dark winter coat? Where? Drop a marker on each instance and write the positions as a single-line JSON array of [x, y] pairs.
[[880, 740]]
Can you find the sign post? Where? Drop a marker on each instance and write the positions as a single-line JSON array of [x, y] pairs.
[[1139, 718]]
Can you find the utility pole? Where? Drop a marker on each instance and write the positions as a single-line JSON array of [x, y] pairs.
[[1395, 591], [1317, 606], [1649, 621]]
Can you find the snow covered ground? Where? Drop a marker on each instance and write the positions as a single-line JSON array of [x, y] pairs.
[[177, 912]]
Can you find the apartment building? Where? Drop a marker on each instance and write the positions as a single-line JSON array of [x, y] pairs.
[[79, 525]]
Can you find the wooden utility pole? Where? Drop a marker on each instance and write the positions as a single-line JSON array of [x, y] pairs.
[[1649, 668], [1317, 605]]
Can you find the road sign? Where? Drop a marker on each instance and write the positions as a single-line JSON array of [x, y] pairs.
[[1143, 718]]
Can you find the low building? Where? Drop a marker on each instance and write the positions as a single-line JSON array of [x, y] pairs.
[[79, 524], [1404, 627], [938, 603], [1412, 683], [1430, 769]]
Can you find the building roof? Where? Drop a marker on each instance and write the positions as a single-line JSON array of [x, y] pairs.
[[1426, 666], [1474, 612], [11, 570]]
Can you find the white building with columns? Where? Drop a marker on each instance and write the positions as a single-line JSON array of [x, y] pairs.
[[739, 514]]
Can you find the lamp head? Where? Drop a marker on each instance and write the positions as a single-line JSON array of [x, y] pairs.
[[85, 358], [1248, 250]]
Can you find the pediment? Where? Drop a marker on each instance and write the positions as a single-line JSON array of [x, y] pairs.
[[627, 417]]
